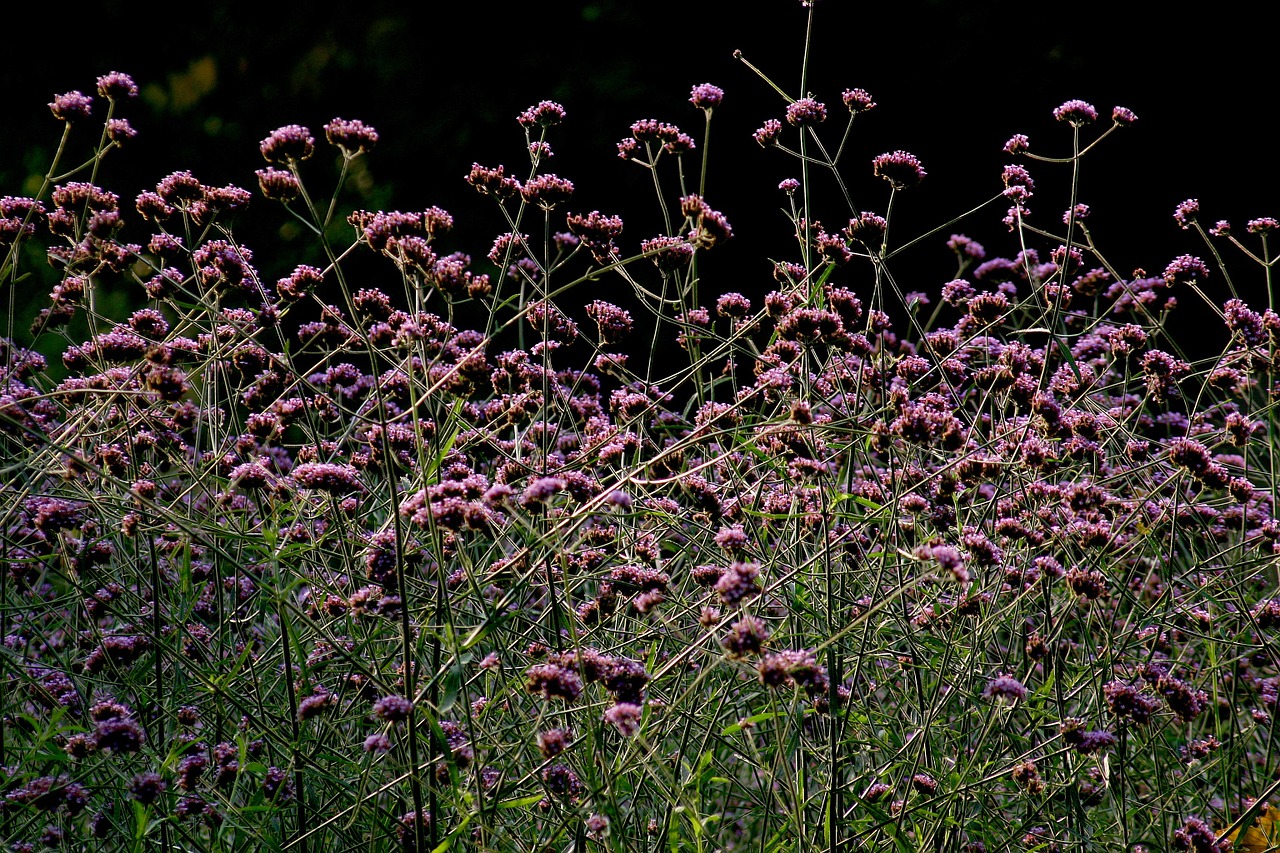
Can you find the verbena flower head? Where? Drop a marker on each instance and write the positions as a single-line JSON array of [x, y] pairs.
[[492, 181], [278, 184], [1017, 182], [1004, 687], [288, 144], [1123, 116], [119, 129], [1076, 113], [1185, 213], [768, 133], [71, 107], [1017, 144], [117, 86], [392, 709], [547, 191], [625, 717], [352, 136], [806, 112], [857, 100], [901, 169], [1185, 269], [706, 96], [541, 114]]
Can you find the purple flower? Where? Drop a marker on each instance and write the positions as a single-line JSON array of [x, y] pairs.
[[745, 637], [352, 136], [1017, 182], [668, 253], [679, 144], [710, 226], [1123, 116], [1185, 213], [1005, 688], [705, 96], [553, 680], [288, 144], [1185, 269], [900, 169], [1076, 113], [629, 148], [377, 743], [1079, 212], [392, 709], [737, 306], [613, 322], [119, 734], [119, 129], [327, 477], [541, 114], [1017, 144], [300, 282], [71, 106], [561, 781], [768, 133], [276, 786], [547, 191], [625, 717], [924, 783], [596, 230], [492, 182], [278, 185], [597, 826], [1093, 742], [1198, 837], [116, 85], [875, 792], [806, 112], [738, 583], [1125, 700], [1263, 225], [857, 100], [552, 742]]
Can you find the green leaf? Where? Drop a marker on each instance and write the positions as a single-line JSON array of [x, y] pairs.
[[521, 802]]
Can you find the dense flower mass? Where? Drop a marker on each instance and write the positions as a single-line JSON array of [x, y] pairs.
[[586, 539]]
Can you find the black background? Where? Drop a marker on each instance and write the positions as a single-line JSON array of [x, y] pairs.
[[443, 83]]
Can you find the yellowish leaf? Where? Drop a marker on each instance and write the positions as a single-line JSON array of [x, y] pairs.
[[1263, 834]]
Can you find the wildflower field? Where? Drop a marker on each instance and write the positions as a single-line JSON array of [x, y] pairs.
[[556, 543]]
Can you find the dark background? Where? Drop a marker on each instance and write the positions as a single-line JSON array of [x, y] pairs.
[[443, 83]]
